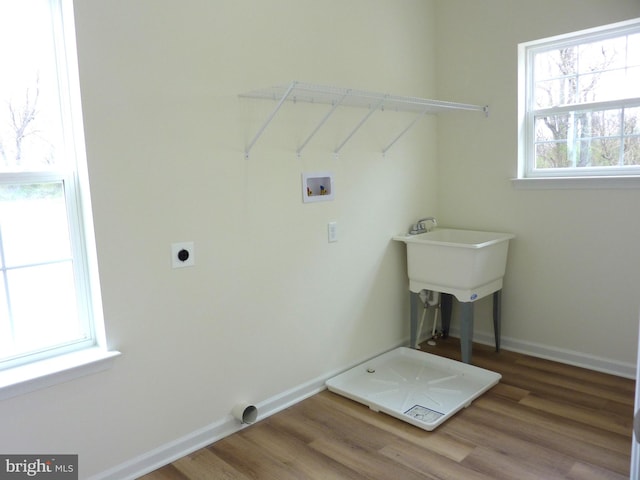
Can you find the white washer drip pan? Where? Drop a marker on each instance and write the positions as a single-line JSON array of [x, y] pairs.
[[422, 389]]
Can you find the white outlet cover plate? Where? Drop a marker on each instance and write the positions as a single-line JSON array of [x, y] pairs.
[[332, 231], [176, 248]]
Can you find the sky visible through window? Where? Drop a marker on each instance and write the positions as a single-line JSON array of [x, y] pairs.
[[594, 72], [29, 107]]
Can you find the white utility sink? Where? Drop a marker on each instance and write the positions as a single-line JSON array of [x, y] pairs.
[[468, 264]]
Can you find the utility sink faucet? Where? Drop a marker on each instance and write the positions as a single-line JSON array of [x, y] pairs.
[[420, 227]]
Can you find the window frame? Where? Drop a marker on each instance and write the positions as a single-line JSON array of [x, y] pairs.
[[566, 176], [89, 355]]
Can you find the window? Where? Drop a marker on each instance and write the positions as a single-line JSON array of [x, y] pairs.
[[46, 304], [579, 104]]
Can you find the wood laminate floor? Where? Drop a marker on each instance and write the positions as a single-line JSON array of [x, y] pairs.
[[544, 420]]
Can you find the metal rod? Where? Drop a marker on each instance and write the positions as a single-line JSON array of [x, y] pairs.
[[322, 122], [269, 119], [401, 134], [364, 119]]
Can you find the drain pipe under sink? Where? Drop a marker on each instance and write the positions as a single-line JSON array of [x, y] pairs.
[[429, 298]]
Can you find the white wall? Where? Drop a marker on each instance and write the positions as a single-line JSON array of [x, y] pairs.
[[270, 304], [573, 279]]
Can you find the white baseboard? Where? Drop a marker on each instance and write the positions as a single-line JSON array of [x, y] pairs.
[[561, 355], [147, 462], [169, 452]]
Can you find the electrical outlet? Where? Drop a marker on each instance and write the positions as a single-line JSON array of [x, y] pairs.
[[182, 255], [332, 231]]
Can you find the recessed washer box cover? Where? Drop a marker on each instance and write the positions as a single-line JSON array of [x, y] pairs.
[[317, 187]]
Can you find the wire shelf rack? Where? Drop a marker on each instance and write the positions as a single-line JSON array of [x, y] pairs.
[[335, 97]]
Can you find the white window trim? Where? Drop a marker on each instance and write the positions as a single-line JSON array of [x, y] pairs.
[[550, 183], [52, 371], [564, 178]]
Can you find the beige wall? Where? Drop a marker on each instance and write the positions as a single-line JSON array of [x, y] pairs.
[[270, 303], [573, 281]]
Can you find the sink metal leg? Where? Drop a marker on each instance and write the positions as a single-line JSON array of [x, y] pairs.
[[446, 306], [466, 330], [466, 321], [413, 335], [497, 317]]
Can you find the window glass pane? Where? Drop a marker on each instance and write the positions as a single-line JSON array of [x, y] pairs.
[[552, 155], [552, 127], [631, 84], [33, 223], [6, 334], [600, 86], [605, 123], [632, 121], [560, 91], [599, 152], [556, 63], [632, 150], [611, 85], [633, 50], [53, 319], [602, 55], [30, 120]]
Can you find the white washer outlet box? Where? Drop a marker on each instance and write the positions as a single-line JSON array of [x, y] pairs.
[[318, 187]]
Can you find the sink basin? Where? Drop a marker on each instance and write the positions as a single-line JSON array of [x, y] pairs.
[[468, 264]]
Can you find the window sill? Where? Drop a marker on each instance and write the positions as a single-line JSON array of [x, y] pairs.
[[52, 371], [550, 183]]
